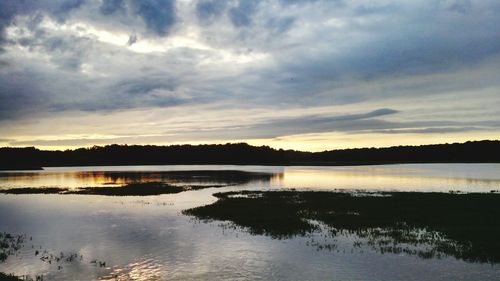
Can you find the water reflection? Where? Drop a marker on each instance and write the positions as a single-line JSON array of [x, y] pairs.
[[79, 179], [135, 237], [148, 269], [409, 177]]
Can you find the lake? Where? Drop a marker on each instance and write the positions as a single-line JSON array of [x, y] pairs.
[[149, 238]]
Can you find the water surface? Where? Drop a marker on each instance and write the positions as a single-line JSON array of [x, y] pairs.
[[147, 238]]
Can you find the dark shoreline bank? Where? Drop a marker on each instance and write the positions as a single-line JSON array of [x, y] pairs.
[[244, 154], [295, 164]]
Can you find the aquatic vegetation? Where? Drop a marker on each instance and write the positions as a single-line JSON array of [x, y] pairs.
[[465, 226], [34, 190], [10, 244], [148, 188], [8, 277], [132, 189], [61, 259]]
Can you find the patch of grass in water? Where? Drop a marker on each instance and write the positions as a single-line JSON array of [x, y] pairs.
[[465, 226], [8, 277], [131, 189], [9, 244], [34, 190]]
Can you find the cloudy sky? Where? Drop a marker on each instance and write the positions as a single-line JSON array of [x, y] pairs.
[[300, 74]]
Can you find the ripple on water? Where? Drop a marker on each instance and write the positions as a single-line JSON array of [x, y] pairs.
[[143, 269]]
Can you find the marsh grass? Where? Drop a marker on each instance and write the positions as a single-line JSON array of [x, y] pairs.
[[131, 189], [465, 226], [34, 190], [8, 277]]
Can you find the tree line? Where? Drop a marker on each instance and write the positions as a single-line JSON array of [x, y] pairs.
[[245, 154]]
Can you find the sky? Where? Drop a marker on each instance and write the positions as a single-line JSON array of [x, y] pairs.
[[294, 74]]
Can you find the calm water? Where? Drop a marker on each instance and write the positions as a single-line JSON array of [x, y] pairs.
[[147, 238]]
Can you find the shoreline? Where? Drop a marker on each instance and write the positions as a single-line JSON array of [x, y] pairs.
[[297, 164]]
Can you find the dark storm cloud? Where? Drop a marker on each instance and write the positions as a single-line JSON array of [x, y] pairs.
[[313, 124], [8, 10], [208, 10], [141, 87], [304, 124], [436, 40], [20, 95], [159, 15], [281, 24], [293, 2], [76, 55], [70, 5], [352, 124], [67, 52], [129, 94], [438, 130], [395, 54], [461, 6], [12, 8], [109, 7], [241, 15], [311, 120], [421, 39], [364, 9]]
